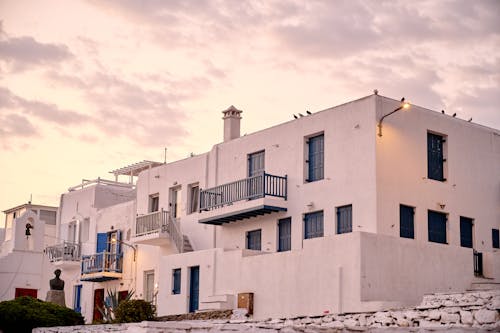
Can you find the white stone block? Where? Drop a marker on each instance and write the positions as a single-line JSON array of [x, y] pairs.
[[466, 317], [484, 316]]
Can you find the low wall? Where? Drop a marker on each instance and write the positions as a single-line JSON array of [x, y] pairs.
[[468, 312]]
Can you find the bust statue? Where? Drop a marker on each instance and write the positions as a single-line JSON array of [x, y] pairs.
[[56, 283]]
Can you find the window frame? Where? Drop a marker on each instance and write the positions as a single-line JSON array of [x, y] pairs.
[[495, 238], [339, 210], [464, 242], [153, 203], [433, 232], [307, 232], [145, 285], [250, 243], [284, 243], [175, 201], [193, 198], [402, 229], [436, 167], [176, 281], [314, 160]]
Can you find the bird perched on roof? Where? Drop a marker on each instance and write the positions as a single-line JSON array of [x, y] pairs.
[[454, 115], [442, 111], [308, 112], [469, 120], [375, 91], [300, 114], [402, 100], [295, 116]]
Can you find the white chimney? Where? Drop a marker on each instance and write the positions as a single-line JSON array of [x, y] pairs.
[[232, 117]]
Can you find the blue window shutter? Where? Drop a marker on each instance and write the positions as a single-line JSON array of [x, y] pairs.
[[176, 277], [466, 232], [406, 221], [254, 240], [118, 243], [77, 298], [285, 234], [437, 227], [344, 219], [102, 242], [313, 225], [495, 238], [256, 163], [316, 158], [435, 157]]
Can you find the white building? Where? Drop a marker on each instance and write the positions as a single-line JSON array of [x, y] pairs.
[[24, 270], [318, 214], [323, 214]]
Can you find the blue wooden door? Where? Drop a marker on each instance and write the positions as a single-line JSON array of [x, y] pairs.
[[102, 242], [194, 288], [465, 232], [77, 298], [437, 227]]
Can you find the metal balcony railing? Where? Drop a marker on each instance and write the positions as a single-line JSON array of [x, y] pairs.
[[66, 251], [244, 189], [151, 223], [157, 222], [102, 262]]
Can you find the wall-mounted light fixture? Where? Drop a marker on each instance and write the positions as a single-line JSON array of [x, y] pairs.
[[404, 105], [133, 247]]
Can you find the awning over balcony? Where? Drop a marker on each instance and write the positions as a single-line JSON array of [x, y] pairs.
[[242, 214]]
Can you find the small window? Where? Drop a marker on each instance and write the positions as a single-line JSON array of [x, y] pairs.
[[406, 221], [285, 234], [256, 163], [466, 225], [315, 158], [437, 227], [254, 240], [48, 216], [176, 281], [313, 225], [495, 238], [154, 203], [435, 156], [194, 195], [344, 219]]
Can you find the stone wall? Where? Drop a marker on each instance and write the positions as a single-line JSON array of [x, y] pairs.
[[467, 312]]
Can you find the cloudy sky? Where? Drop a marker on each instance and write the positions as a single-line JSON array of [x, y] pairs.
[[90, 86]]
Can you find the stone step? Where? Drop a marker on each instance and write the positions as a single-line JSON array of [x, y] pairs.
[[217, 302], [486, 285]]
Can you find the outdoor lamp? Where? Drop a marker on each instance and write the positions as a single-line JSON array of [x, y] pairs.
[[404, 105], [114, 240]]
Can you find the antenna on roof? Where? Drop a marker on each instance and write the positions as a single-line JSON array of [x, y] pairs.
[[165, 156], [31, 198]]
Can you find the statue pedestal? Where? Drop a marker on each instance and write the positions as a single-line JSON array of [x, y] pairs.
[[56, 296]]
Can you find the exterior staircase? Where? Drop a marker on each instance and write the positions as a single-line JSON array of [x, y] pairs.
[[482, 283], [186, 245]]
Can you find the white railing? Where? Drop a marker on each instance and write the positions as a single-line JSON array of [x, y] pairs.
[[160, 222], [66, 251]]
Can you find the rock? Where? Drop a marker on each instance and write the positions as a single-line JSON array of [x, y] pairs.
[[327, 319], [450, 318], [403, 323], [429, 323], [434, 315], [362, 320], [383, 317], [334, 324], [484, 316], [410, 315], [350, 323], [466, 317], [306, 321], [494, 305]]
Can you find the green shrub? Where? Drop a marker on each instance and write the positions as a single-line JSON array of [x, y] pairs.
[[25, 313], [133, 311]]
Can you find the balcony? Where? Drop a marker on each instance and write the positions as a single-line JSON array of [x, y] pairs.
[[65, 255], [159, 228], [102, 266], [245, 198]]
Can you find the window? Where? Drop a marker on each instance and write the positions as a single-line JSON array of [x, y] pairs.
[[435, 159], [256, 163], [495, 238], [437, 227], [176, 281], [466, 225], [149, 280], [406, 219], [72, 232], [253, 240], [48, 216], [175, 202], [77, 298], [313, 225], [154, 203], [194, 194], [285, 234], [344, 219], [315, 160]]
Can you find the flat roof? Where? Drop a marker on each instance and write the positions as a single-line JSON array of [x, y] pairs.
[[30, 206]]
